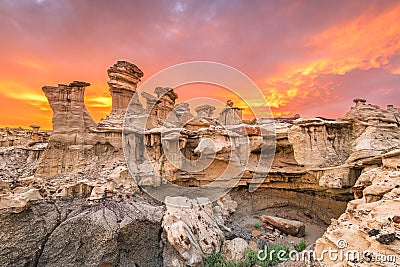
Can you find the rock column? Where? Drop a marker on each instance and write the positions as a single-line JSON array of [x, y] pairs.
[[70, 116], [123, 80], [231, 115]]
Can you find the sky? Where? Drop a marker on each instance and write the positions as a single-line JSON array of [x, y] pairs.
[[307, 57]]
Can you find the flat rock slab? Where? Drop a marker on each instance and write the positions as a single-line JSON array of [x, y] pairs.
[[290, 227]]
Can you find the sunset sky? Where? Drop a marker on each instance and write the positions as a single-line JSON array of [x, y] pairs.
[[307, 57]]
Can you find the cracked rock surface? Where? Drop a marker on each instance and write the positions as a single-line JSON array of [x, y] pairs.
[[74, 233]]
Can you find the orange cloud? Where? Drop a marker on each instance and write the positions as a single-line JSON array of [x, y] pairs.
[[32, 64], [363, 43]]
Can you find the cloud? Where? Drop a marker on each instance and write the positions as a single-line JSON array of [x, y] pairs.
[[301, 53], [363, 43]]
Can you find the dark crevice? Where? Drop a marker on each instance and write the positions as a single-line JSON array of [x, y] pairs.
[[42, 246]]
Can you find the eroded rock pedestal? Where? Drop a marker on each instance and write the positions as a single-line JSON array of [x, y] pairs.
[[123, 80], [71, 120]]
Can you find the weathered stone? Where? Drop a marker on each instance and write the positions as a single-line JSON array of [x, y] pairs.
[[377, 183], [204, 111], [291, 227], [71, 120], [110, 233], [183, 113], [255, 233], [320, 156], [123, 80], [391, 159], [230, 115], [253, 245], [319, 143], [368, 223], [234, 250], [190, 228]]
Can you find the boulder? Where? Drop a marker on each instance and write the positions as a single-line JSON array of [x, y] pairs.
[[369, 223], [290, 227], [190, 231], [234, 250], [391, 159], [70, 233]]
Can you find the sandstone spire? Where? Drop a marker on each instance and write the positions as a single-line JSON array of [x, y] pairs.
[[123, 79], [231, 115], [70, 116]]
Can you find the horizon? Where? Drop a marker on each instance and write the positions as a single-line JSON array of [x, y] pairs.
[[308, 57]]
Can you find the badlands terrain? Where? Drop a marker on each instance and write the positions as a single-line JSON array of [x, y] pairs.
[[78, 195]]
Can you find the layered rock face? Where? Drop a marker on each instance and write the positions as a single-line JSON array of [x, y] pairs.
[[159, 109], [365, 131], [78, 144], [311, 154], [18, 137], [72, 233], [21, 151], [71, 120], [368, 233], [19, 162], [71, 140], [123, 80], [342, 148]]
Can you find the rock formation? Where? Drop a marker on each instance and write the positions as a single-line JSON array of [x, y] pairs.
[[123, 80], [21, 151], [72, 233], [231, 115], [159, 109], [205, 111], [368, 232], [183, 113], [290, 227], [76, 138], [190, 231], [69, 199], [234, 250], [71, 120], [344, 147]]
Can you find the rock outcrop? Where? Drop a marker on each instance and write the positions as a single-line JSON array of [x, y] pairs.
[[230, 115], [76, 139], [341, 149], [182, 111], [123, 80], [190, 232], [71, 120], [205, 111], [20, 162], [368, 233], [71, 233]]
